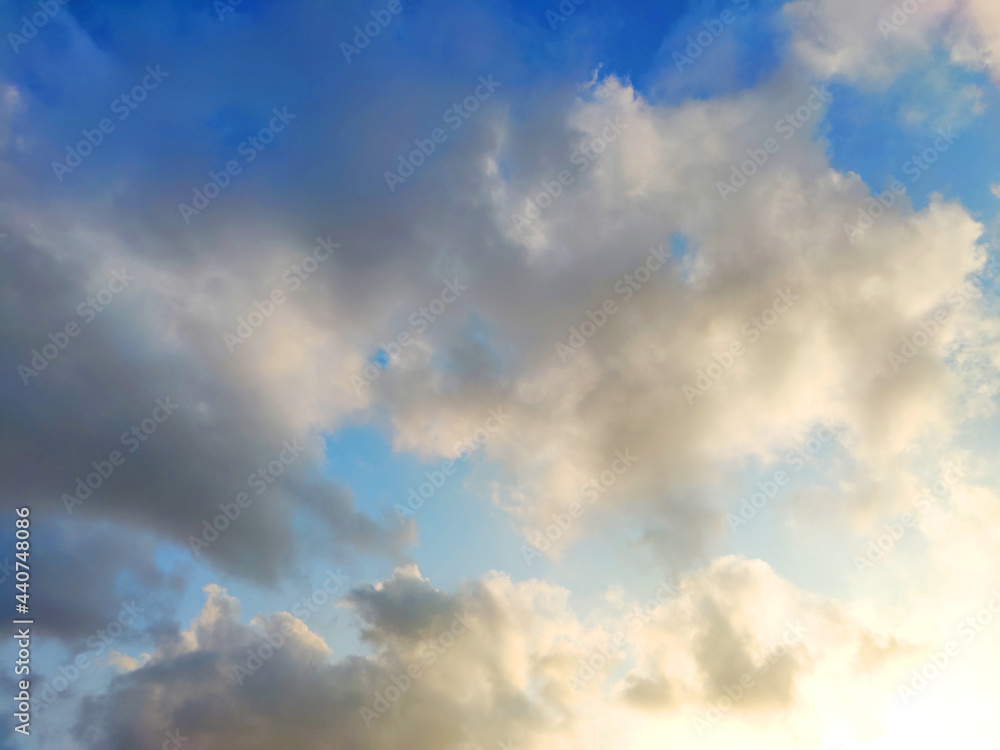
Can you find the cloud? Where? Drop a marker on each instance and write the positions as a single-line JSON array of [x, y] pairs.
[[655, 182], [756, 290], [862, 41], [75, 602], [506, 671], [190, 683]]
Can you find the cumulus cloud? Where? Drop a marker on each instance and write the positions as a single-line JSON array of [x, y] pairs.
[[644, 177], [871, 41], [496, 661], [662, 296], [474, 670]]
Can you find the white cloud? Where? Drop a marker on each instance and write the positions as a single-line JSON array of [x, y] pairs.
[[515, 667]]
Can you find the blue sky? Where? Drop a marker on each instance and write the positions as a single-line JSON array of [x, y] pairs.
[[489, 181]]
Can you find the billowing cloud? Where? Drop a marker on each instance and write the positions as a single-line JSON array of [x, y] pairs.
[[642, 306], [875, 41], [500, 662]]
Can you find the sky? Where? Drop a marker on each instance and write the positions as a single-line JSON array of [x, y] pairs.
[[500, 375]]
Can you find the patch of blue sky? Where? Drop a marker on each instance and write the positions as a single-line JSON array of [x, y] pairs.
[[457, 522], [719, 47], [890, 134], [461, 521], [769, 532]]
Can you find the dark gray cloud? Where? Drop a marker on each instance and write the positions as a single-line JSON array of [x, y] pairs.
[[83, 574], [297, 697]]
